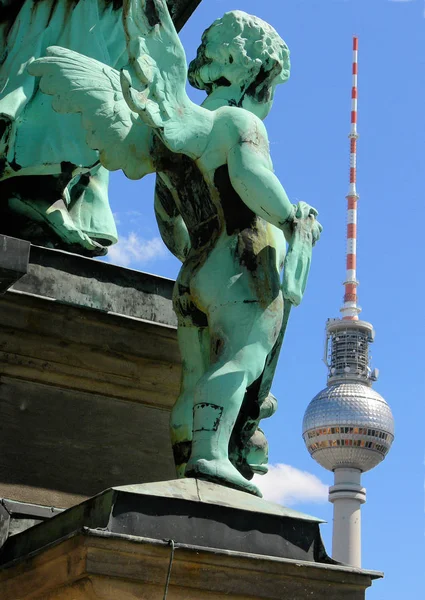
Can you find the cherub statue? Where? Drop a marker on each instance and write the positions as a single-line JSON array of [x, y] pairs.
[[220, 208]]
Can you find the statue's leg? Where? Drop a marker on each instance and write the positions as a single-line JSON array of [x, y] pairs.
[[194, 350], [245, 333]]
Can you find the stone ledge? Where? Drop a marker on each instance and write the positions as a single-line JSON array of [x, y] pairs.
[[219, 542], [88, 283], [94, 565]]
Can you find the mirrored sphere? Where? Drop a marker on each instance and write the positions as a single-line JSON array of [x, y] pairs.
[[348, 425]]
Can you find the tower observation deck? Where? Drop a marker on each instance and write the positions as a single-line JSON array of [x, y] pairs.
[[348, 427]]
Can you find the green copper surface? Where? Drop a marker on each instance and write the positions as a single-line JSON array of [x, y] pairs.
[[53, 190], [220, 209]]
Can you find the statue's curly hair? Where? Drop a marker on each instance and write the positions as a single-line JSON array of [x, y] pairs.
[[240, 49]]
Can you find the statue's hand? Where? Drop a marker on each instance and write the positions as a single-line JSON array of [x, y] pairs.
[[303, 212], [306, 231]]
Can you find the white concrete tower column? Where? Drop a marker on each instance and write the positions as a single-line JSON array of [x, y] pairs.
[[347, 495]]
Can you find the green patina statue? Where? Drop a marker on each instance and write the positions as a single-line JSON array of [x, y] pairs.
[[220, 209], [53, 190]]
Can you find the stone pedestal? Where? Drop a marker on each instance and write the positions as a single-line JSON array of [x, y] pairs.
[[89, 371], [203, 540]]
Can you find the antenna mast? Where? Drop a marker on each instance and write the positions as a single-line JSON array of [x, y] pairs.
[[350, 308], [348, 427]]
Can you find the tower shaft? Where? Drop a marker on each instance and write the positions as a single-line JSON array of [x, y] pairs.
[[350, 308], [347, 496]]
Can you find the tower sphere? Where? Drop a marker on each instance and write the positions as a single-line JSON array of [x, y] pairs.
[[348, 425]]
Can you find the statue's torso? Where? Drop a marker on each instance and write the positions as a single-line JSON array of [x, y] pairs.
[[202, 189], [228, 240]]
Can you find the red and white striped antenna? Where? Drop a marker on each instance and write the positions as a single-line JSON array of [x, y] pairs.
[[348, 403], [350, 308]]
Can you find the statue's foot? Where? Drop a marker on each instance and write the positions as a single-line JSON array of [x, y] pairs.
[[222, 472]]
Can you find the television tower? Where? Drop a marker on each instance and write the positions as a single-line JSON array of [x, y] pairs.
[[348, 427]]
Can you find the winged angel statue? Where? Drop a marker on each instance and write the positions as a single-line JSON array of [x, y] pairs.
[[220, 209]]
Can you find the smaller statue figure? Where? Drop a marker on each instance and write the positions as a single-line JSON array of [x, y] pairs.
[[219, 206]]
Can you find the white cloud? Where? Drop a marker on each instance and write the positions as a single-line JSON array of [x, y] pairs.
[[287, 485], [133, 251]]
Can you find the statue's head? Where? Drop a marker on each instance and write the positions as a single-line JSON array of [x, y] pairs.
[[243, 51]]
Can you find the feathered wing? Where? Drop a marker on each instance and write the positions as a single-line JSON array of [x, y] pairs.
[[84, 85], [154, 83]]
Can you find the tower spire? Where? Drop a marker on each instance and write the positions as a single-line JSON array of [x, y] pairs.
[[348, 427], [350, 309]]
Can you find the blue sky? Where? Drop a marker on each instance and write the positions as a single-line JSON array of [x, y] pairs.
[[308, 130]]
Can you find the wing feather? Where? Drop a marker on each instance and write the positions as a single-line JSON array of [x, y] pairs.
[[80, 84], [154, 83]]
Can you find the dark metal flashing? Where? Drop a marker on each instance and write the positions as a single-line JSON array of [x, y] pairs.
[[16, 517], [189, 522], [14, 256], [25, 509], [4, 524], [92, 284]]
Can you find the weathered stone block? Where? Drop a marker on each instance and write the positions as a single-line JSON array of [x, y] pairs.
[[89, 370]]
